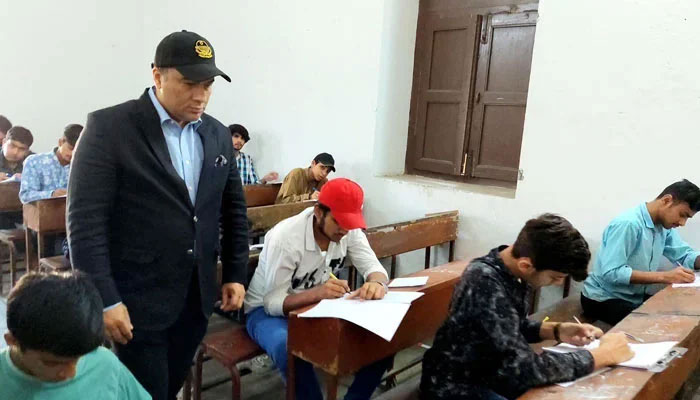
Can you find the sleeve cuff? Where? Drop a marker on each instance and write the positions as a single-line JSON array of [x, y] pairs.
[[274, 305], [111, 307]]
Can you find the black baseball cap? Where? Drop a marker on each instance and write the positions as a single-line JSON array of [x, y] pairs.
[[327, 160], [190, 54]]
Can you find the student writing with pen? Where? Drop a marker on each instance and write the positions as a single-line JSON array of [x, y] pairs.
[[633, 247], [482, 350], [296, 270]]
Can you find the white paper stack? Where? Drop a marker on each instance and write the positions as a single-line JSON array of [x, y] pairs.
[[382, 317]]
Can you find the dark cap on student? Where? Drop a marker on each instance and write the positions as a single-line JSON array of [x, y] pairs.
[[327, 160], [189, 53], [344, 198]]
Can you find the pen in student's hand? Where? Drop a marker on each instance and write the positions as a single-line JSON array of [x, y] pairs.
[[579, 322], [629, 335], [336, 278]]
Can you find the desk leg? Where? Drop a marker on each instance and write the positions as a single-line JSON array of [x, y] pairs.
[[332, 387], [291, 376], [29, 251], [39, 246]]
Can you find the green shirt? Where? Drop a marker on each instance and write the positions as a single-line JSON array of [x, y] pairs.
[[99, 375]]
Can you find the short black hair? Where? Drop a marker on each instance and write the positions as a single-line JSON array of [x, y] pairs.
[[684, 191], [552, 243], [241, 130], [72, 132], [20, 134], [59, 314], [5, 124]]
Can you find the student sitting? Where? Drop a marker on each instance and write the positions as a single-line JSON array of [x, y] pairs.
[[295, 270], [15, 149], [304, 184], [46, 174], [482, 351], [631, 253], [55, 332], [240, 136], [5, 126]]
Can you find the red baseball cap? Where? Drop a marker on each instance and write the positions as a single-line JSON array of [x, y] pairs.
[[344, 197]]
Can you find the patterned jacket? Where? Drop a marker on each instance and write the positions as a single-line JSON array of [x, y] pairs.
[[483, 343]]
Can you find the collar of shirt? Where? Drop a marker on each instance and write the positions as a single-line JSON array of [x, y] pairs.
[[646, 216], [54, 157], [163, 114], [494, 259]]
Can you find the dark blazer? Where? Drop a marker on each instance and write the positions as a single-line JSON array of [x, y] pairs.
[[132, 226]]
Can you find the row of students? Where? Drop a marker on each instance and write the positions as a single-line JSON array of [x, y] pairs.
[[481, 351], [300, 184]]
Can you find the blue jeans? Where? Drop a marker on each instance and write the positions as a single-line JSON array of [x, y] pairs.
[[270, 333]]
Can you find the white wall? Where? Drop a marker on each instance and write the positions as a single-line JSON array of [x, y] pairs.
[[611, 117]]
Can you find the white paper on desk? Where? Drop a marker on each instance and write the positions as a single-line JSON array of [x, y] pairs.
[[379, 317], [645, 354], [695, 283], [13, 178], [408, 282], [591, 375]]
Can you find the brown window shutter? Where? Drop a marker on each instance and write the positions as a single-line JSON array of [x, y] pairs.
[[500, 94]]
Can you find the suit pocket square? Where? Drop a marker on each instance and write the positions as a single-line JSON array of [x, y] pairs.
[[220, 161]]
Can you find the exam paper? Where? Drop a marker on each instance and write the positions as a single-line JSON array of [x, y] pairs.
[[408, 282], [381, 317], [645, 354], [695, 283]]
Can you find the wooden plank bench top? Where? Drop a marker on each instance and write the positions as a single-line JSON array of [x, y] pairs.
[[263, 218], [9, 197], [388, 240], [54, 263], [261, 195], [670, 300]]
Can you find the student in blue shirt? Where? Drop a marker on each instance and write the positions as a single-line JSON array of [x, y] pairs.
[[55, 332], [240, 136], [631, 254], [45, 175]]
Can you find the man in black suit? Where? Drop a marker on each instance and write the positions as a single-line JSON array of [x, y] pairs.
[[152, 186]]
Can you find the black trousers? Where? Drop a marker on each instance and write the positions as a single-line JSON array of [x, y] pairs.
[[609, 311], [160, 359]]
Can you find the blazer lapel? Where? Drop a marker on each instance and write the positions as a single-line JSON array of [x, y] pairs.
[[210, 145], [149, 123]]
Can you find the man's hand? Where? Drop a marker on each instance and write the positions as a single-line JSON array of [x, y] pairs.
[[118, 324], [315, 194], [613, 350], [232, 295], [4, 176], [59, 193], [17, 176], [272, 176], [369, 291], [332, 289], [578, 335], [679, 275]]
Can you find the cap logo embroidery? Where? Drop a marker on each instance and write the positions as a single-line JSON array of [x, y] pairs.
[[203, 50]]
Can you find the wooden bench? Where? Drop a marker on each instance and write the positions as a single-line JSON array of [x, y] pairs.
[[263, 218], [44, 217], [261, 195], [53, 264], [394, 239], [10, 238]]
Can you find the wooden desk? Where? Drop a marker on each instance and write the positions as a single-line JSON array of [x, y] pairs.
[[9, 197], [43, 217], [623, 383], [341, 348], [261, 195], [677, 301], [262, 219]]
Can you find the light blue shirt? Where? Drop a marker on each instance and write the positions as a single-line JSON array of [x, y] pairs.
[[184, 145], [633, 242], [41, 175]]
